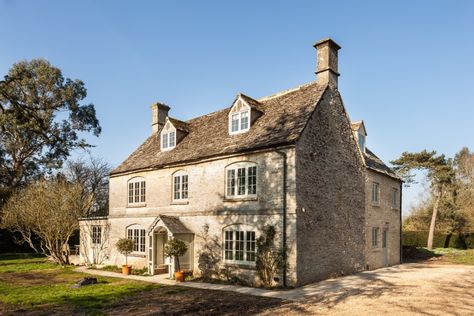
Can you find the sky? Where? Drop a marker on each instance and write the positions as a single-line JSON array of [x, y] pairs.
[[406, 66]]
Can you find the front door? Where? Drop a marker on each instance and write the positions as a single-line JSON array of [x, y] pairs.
[[384, 247], [161, 264]]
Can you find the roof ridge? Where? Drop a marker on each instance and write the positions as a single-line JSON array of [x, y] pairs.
[[281, 93]]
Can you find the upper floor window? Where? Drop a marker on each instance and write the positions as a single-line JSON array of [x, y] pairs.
[[394, 197], [239, 245], [136, 191], [361, 139], [96, 234], [241, 180], [375, 192], [180, 186], [137, 234], [239, 122], [168, 140]]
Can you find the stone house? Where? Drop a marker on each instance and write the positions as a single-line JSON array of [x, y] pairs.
[[292, 160]]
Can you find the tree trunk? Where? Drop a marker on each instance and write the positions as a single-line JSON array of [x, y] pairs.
[[433, 220]]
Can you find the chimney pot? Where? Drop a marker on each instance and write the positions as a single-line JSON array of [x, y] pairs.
[[159, 113], [326, 71]]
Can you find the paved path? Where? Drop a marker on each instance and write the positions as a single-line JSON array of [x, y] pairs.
[[364, 284]]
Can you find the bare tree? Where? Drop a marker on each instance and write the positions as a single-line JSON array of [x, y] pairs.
[[48, 209]]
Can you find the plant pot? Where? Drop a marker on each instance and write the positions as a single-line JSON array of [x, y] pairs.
[[126, 270], [179, 276]]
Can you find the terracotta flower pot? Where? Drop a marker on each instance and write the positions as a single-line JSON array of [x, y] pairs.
[[126, 269], [179, 276]]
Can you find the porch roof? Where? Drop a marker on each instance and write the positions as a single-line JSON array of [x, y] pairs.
[[171, 223]]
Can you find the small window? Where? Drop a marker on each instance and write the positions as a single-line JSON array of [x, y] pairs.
[[239, 122], [137, 234], [361, 139], [136, 191], [241, 180], [180, 186], [375, 192], [239, 246], [96, 234], [168, 140], [375, 236], [394, 198]]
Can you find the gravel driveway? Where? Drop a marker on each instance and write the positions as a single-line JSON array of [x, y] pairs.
[[409, 289]]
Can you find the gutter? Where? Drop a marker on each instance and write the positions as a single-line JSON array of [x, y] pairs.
[[285, 176]]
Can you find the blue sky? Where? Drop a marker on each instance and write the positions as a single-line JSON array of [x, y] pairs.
[[406, 66]]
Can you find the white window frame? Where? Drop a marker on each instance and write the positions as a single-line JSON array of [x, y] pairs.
[[241, 180], [375, 237], [361, 141], [96, 235], [245, 114], [180, 185], [244, 247], [395, 198], [168, 140], [375, 197], [138, 234], [136, 191]]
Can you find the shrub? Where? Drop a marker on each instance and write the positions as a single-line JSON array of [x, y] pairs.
[[125, 247], [175, 248], [269, 260], [441, 240]]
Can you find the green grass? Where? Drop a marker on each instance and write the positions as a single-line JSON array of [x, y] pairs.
[[31, 281], [457, 256]]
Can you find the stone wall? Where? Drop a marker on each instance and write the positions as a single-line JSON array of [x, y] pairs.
[[330, 195], [384, 216]]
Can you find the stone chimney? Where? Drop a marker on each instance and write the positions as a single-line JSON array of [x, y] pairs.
[[159, 113], [326, 70]]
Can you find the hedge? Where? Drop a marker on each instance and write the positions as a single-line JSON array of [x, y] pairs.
[[440, 240]]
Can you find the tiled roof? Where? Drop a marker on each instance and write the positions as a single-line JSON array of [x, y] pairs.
[[285, 115], [375, 163]]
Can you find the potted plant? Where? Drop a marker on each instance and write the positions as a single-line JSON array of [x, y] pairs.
[[125, 247], [176, 248]]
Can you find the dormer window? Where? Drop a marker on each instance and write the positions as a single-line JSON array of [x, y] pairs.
[[240, 122], [361, 139], [360, 134], [168, 140]]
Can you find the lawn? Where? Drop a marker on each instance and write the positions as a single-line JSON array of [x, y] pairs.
[[31, 285], [439, 255]]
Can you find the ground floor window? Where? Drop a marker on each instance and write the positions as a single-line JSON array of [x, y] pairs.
[[375, 236], [138, 237], [96, 234], [239, 246]]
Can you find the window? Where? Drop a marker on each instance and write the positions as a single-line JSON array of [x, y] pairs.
[[168, 140], [361, 139], [241, 180], [239, 122], [375, 192], [239, 245], [96, 234], [180, 186], [384, 238], [375, 236], [136, 191], [394, 198], [138, 236]]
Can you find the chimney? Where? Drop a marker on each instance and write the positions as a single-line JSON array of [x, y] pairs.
[[326, 70], [159, 113]]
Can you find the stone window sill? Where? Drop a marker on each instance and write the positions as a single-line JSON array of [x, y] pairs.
[[241, 199], [376, 249], [375, 204], [137, 255], [178, 202], [242, 266], [136, 205]]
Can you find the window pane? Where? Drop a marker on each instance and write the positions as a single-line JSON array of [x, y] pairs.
[[177, 188], [130, 193], [142, 240], [172, 139], [235, 123], [394, 197], [244, 120], [239, 245], [142, 192], [252, 180], [250, 246], [137, 192], [228, 245], [164, 140], [375, 192], [231, 182], [241, 181], [184, 187], [375, 236], [384, 238]]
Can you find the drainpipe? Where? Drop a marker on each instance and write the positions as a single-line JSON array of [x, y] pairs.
[[401, 242], [285, 172]]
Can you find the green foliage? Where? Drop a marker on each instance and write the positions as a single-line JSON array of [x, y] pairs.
[[41, 116], [270, 260], [125, 247], [440, 240], [175, 248]]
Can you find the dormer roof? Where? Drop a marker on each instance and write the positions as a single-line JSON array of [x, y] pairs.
[[179, 125], [357, 125]]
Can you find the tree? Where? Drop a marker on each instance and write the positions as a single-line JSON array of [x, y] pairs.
[[125, 247], [439, 172], [464, 168], [175, 248], [40, 117], [48, 209], [269, 260]]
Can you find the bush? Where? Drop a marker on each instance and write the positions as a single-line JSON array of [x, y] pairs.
[[440, 240]]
